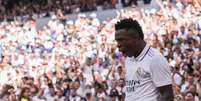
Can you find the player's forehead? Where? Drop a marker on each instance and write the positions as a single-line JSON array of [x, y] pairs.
[[121, 36], [125, 33]]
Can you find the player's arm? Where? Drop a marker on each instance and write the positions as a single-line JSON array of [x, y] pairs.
[[166, 93], [161, 76]]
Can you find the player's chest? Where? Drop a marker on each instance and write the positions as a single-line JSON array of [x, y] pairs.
[[137, 70]]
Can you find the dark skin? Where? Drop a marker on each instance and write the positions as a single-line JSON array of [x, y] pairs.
[[132, 45], [127, 45]]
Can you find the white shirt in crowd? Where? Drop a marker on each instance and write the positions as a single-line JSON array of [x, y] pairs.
[[76, 98], [36, 98], [51, 98], [144, 74], [178, 79]]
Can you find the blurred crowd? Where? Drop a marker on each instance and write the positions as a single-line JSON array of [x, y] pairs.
[[42, 8], [78, 60]]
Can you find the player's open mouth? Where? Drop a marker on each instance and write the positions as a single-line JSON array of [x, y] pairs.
[[122, 51]]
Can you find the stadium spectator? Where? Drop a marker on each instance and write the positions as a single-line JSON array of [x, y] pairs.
[[79, 59], [10, 9]]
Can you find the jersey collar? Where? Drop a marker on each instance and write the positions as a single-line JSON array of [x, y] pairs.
[[143, 53]]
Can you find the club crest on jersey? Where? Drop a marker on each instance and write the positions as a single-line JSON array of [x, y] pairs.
[[141, 73]]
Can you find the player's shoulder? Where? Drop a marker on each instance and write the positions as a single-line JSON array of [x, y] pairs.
[[154, 53]]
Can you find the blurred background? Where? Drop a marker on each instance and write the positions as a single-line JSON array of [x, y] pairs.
[[64, 50]]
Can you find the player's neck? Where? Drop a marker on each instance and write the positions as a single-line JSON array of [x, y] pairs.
[[140, 48]]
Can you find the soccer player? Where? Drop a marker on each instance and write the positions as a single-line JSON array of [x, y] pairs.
[[148, 75]]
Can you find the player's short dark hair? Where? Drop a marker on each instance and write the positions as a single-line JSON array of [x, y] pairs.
[[130, 24]]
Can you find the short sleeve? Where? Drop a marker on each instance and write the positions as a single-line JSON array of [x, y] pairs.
[[160, 71]]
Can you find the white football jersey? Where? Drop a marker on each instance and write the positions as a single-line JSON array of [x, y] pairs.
[[144, 74]]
